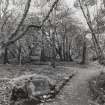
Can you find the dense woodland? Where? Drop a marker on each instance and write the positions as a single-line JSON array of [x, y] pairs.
[[52, 34], [49, 31]]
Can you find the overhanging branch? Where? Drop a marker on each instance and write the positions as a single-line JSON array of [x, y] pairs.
[[21, 35], [51, 9], [13, 39], [22, 20]]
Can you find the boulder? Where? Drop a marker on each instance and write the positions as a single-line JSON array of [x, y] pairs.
[[31, 87]]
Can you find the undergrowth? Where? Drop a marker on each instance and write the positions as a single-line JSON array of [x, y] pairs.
[[97, 88]]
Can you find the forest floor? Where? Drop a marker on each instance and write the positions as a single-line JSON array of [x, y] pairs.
[[75, 91]]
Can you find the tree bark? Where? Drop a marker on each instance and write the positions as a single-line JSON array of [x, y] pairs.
[[6, 55]]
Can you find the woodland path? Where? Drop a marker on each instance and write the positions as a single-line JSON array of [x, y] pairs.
[[76, 90]]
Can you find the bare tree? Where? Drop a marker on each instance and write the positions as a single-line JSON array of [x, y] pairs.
[[12, 39], [88, 20]]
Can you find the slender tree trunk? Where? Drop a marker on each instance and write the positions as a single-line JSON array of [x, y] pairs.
[[84, 53], [64, 45], [68, 55], [42, 57], [67, 48], [63, 49], [70, 58], [19, 55], [59, 51], [53, 50], [53, 38], [30, 51], [6, 55]]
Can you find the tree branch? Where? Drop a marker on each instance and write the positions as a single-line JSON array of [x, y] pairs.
[[12, 39], [20, 36], [51, 9], [22, 20]]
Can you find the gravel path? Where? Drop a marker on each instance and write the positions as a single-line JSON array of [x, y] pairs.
[[76, 91]]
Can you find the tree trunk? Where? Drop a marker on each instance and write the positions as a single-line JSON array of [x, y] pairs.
[[19, 55], [53, 50], [59, 51], [64, 47], [6, 55], [42, 58], [84, 53], [70, 58]]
